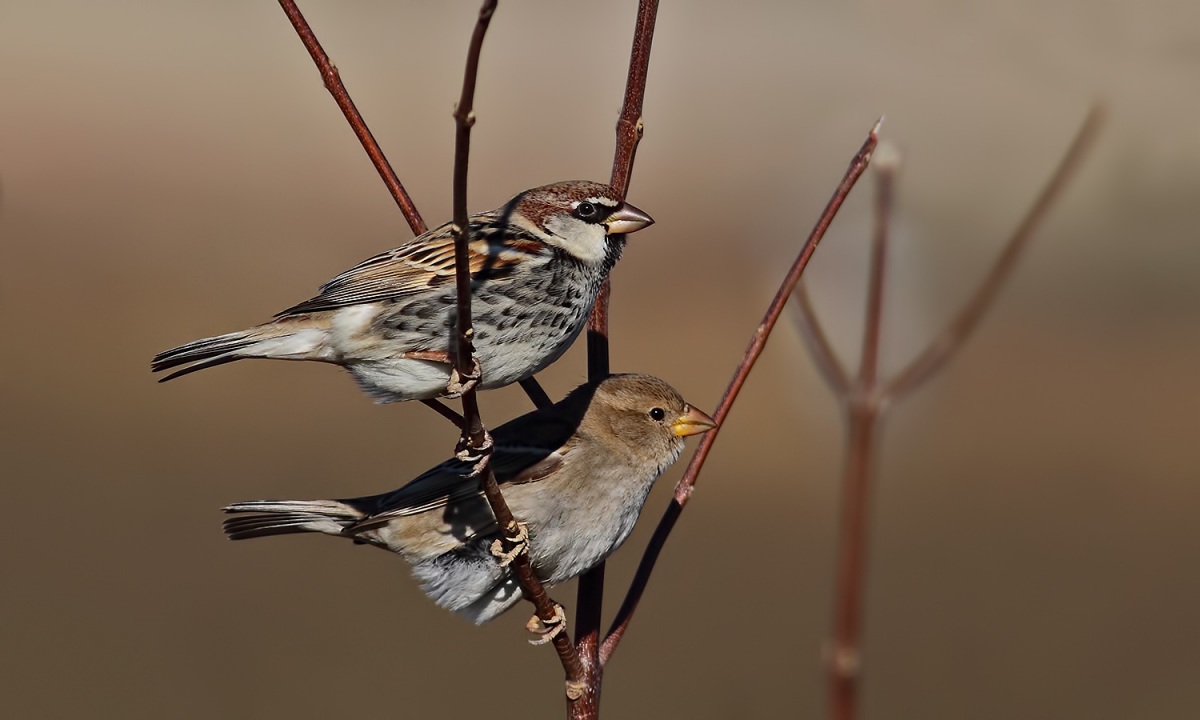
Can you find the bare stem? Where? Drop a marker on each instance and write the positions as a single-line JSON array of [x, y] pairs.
[[758, 341], [629, 124], [862, 405], [447, 412], [476, 441], [885, 180], [333, 83], [589, 604], [865, 400], [630, 129], [845, 653]]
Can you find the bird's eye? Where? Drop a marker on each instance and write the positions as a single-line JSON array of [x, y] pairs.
[[586, 210], [657, 414]]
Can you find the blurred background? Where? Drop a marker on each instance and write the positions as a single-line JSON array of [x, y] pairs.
[[175, 170]]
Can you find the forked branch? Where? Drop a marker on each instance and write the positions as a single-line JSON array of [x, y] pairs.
[[865, 398]]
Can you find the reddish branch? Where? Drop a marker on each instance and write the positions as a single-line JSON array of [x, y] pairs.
[[589, 599], [758, 341], [863, 398], [866, 397], [629, 124], [864, 404], [477, 442], [583, 668], [629, 133], [333, 83]]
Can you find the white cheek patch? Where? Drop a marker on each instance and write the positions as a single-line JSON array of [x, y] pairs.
[[583, 240]]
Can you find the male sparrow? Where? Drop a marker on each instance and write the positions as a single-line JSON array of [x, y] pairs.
[[536, 263], [576, 474]]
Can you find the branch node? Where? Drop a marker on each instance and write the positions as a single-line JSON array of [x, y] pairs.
[[845, 662]]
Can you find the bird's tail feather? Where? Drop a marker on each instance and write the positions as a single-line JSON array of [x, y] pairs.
[[284, 517], [286, 341]]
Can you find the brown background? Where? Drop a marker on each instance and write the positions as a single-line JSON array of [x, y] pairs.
[[175, 170]]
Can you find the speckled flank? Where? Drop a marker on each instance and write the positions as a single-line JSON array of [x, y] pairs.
[[535, 319]]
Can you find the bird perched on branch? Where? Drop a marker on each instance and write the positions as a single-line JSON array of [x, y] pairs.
[[575, 475], [536, 265]]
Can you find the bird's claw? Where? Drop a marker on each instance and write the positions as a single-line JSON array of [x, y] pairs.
[[517, 538], [547, 630], [475, 455], [460, 384]]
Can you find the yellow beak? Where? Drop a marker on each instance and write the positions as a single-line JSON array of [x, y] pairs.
[[627, 219], [692, 422]]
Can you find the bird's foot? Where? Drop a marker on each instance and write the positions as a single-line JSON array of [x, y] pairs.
[[462, 383], [516, 538], [547, 630], [474, 454], [458, 383]]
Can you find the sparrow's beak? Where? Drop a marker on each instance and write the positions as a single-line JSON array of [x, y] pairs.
[[692, 422], [626, 220]]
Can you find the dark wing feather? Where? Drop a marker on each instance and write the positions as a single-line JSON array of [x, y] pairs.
[[521, 456], [424, 264]]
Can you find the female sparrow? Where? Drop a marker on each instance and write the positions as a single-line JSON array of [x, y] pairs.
[[576, 474], [537, 263]]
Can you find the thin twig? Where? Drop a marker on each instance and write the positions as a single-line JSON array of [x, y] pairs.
[[818, 343], [536, 394], [630, 129], [477, 442], [590, 596], [957, 332], [885, 180], [333, 83], [446, 411], [629, 124], [758, 341]]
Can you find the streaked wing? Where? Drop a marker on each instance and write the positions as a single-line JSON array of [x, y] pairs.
[[425, 264], [514, 462]]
